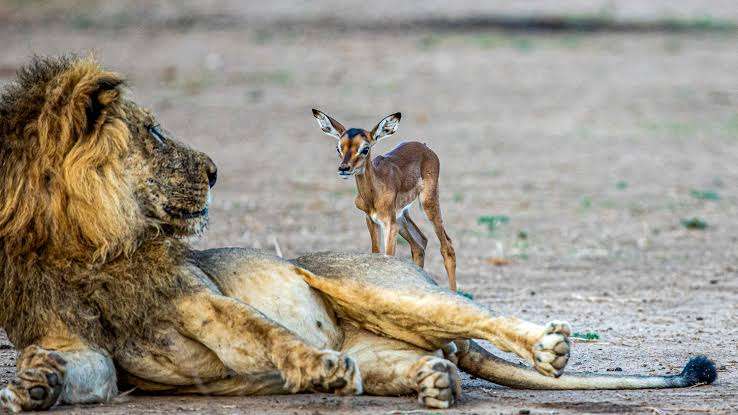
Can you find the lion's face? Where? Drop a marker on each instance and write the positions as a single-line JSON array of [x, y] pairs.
[[85, 173], [171, 181]]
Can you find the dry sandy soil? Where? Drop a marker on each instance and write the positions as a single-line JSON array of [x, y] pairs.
[[595, 146]]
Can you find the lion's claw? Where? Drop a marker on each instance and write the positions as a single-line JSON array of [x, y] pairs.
[[38, 385], [439, 385], [325, 371], [340, 376], [551, 352]]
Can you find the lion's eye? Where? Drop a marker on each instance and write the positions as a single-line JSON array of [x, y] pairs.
[[156, 133]]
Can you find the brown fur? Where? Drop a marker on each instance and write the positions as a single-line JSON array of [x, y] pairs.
[[388, 184], [69, 223]]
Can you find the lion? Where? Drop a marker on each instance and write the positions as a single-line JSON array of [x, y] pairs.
[[100, 289]]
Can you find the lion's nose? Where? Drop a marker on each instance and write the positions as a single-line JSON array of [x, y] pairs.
[[212, 171]]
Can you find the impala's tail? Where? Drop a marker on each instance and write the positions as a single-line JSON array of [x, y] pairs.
[[483, 364]]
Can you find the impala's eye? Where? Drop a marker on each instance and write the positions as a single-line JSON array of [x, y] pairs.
[[365, 150], [338, 150]]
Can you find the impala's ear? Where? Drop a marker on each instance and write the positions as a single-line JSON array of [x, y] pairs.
[[329, 126], [386, 127]]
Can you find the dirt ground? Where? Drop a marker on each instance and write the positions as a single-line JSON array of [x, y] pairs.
[[591, 149]]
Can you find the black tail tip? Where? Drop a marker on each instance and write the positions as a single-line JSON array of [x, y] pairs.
[[699, 370]]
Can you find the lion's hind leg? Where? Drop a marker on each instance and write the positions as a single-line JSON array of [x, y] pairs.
[[395, 298], [45, 377], [391, 367]]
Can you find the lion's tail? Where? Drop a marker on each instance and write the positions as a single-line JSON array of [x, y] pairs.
[[483, 364]]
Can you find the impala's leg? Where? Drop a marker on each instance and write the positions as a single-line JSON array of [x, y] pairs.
[[395, 299], [241, 336], [373, 233], [409, 230], [391, 367], [431, 206], [390, 235]]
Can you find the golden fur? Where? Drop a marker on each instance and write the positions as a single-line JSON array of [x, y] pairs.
[[97, 286], [69, 222]]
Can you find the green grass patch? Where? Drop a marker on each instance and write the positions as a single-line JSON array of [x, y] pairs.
[[521, 256], [486, 40], [694, 223], [701, 24], [621, 185], [587, 335], [492, 222], [704, 194]]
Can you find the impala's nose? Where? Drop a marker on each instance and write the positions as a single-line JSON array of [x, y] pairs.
[[344, 168], [212, 171]]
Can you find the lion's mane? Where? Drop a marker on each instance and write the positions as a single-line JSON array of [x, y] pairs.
[[75, 248]]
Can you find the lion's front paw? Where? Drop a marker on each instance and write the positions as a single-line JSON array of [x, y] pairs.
[[551, 352], [439, 385], [38, 383], [325, 371], [337, 373]]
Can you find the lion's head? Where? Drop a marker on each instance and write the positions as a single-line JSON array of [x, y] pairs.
[[94, 196], [86, 173]]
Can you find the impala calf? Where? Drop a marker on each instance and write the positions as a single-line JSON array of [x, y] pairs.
[[388, 185]]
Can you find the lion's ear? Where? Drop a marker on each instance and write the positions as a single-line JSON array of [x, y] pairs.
[[105, 93], [82, 93]]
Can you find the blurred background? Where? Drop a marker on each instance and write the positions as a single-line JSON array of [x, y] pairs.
[[588, 148]]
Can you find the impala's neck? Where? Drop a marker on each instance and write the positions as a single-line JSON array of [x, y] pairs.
[[365, 180]]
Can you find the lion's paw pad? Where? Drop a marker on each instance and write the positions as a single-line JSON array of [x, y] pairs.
[[551, 352], [337, 373], [438, 383], [38, 384]]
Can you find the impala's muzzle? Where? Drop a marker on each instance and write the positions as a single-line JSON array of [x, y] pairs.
[[345, 171]]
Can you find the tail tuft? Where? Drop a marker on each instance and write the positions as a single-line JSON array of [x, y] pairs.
[[699, 370]]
